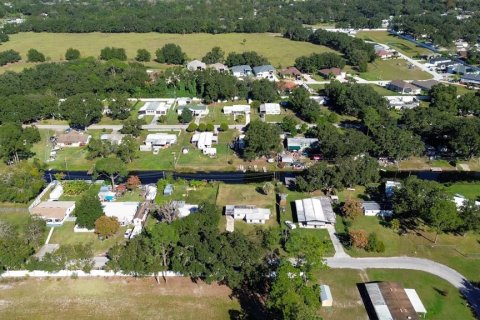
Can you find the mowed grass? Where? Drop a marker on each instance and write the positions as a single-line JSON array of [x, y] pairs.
[[406, 47], [394, 69], [244, 194], [461, 253], [115, 298], [64, 235], [279, 51], [466, 189]]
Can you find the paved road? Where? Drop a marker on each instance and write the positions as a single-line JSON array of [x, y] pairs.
[[165, 127]]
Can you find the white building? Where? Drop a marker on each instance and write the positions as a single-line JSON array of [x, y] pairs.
[[197, 110], [123, 211], [150, 192], [326, 296], [402, 102], [372, 209], [184, 209], [270, 108], [251, 214], [314, 212], [115, 138], [264, 72], [237, 109], [156, 107], [158, 140], [204, 140], [195, 65]]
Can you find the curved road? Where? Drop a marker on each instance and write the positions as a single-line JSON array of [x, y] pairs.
[[342, 260]]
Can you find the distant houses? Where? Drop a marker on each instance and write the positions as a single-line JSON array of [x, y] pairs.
[[249, 213], [291, 73], [195, 65], [335, 73], [471, 79], [265, 72], [242, 71], [219, 67]]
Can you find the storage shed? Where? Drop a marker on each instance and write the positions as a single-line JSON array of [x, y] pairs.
[[326, 296]]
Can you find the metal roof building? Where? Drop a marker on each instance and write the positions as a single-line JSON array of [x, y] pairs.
[[314, 212]]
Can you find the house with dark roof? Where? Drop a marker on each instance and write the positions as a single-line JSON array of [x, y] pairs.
[[403, 87], [241, 71], [425, 85], [264, 72], [291, 72], [470, 79]]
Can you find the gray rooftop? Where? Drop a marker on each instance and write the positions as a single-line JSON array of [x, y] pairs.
[[243, 68], [371, 205], [264, 68]]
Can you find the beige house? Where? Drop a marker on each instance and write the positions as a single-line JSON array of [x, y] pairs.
[[73, 138], [53, 212]]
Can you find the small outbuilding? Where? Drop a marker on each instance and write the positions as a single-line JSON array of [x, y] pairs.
[[168, 191], [326, 296]]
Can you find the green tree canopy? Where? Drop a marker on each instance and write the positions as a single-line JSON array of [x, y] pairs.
[[87, 210]]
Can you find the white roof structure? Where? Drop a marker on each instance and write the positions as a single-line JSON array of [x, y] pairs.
[[326, 296], [56, 192], [123, 211], [204, 140], [152, 107], [160, 139], [237, 108], [247, 212], [379, 304], [270, 108], [115, 137], [415, 300], [184, 209], [151, 192], [315, 212], [196, 65]]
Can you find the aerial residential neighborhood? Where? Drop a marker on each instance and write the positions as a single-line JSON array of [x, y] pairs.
[[240, 160]]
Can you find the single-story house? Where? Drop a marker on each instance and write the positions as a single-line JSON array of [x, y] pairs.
[[156, 107], [198, 110], [184, 101], [439, 61], [314, 212], [425, 85], [141, 216], [384, 54], [390, 187], [264, 72], [195, 65], [459, 69], [115, 138], [390, 301], [212, 152], [373, 208], [249, 213], [403, 87], [53, 212], [158, 140], [123, 211], [270, 108], [470, 79], [168, 190], [291, 72], [336, 73], [106, 194], [241, 71], [299, 144], [237, 109], [184, 209], [326, 296], [220, 67], [73, 138], [402, 102], [56, 193], [204, 140]]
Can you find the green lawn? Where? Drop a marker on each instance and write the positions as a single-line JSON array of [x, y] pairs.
[[459, 252], [466, 189], [115, 298], [182, 191], [65, 235], [18, 218], [406, 47], [395, 69], [383, 91], [279, 51]]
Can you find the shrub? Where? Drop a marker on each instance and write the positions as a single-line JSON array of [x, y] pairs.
[[75, 187], [223, 127], [72, 54], [202, 127], [358, 238], [374, 245], [210, 127], [34, 55], [192, 127]]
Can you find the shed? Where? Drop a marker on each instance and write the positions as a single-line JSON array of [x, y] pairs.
[[326, 296], [168, 190]]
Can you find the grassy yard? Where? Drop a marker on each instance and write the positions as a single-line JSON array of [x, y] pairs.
[[279, 51], [466, 189], [459, 252], [243, 194], [182, 191], [395, 69], [18, 218], [65, 235], [115, 298], [383, 91], [406, 47]]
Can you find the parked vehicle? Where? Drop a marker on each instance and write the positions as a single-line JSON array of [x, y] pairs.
[[290, 225]]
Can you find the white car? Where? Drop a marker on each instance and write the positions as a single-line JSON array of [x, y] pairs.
[[127, 233], [291, 225]]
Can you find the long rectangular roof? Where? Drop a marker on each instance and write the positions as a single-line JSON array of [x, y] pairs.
[[52, 209], [315, 210], [391, 301]]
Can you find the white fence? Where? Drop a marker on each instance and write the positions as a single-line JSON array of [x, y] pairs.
[[75, 273], [38, 199]]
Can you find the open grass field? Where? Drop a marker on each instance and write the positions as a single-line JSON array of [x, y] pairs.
[[279, 51], [115, 298], [459, 252], [406, 47], [244, 194], [395, 69], [65, 235]]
